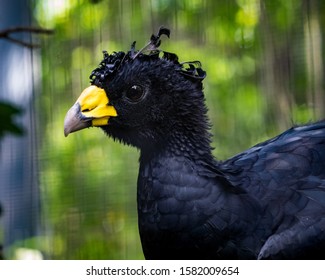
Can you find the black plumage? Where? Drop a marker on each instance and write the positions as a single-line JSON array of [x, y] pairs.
[[265, 203]]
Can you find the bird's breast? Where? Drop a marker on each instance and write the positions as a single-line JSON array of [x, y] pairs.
[[179, 209], [173, 204], [169, 194]]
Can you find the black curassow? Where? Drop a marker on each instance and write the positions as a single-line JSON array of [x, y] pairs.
[[265, 203]]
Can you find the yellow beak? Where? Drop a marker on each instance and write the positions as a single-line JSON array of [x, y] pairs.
[[91, 109]]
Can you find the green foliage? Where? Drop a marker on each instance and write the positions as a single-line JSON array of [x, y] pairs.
[[257, 84], [8, 124]]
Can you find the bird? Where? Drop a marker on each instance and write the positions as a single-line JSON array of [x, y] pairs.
[[267, 202]]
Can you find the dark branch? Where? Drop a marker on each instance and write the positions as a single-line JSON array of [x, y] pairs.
[[5, 34], [31, 29]]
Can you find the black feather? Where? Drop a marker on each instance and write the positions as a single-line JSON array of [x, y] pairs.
[[111, 63]]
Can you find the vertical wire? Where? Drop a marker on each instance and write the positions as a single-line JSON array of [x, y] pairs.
[[34, 155]]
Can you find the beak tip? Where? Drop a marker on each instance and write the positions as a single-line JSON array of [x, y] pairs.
[[73, 122]]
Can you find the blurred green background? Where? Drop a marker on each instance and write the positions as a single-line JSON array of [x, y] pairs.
[[264, 63]]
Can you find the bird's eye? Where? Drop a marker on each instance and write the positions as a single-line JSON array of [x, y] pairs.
[[135, 93]]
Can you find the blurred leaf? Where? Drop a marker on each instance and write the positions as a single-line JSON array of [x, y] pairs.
[[8, 112]]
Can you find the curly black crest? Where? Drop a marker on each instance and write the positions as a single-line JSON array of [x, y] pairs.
[[113, 62]]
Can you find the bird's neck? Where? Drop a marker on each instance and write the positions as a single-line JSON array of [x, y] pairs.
[[185, 134], [193, 146]]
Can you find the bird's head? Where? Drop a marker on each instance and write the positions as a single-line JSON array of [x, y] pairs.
[[141, 97]]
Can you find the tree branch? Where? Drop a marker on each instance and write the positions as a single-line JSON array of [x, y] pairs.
[[5, 34]]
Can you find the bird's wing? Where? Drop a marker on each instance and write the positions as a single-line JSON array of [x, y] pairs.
[[304, 240], [287, 176]]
